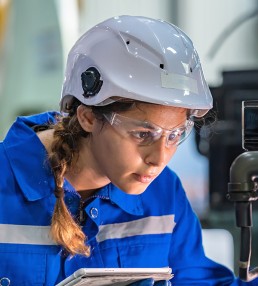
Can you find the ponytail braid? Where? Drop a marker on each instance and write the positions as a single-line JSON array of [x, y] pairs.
[[65, 147]]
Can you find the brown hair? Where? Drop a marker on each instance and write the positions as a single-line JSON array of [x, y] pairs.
[[64, 152]]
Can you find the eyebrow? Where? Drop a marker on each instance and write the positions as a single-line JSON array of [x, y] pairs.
[[146, 124], [155, 126]]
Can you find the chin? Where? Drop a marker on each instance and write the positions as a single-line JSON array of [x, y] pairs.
[[132, 187], [134, 190]]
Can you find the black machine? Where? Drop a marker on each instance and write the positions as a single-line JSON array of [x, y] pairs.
[[243, 185]]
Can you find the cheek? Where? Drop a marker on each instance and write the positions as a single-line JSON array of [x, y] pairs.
[[112, 151], [170, 154]]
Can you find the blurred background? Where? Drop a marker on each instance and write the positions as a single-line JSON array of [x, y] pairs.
[[36, 35]]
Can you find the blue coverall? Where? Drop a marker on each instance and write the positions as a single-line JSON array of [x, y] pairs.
[[155, 229]]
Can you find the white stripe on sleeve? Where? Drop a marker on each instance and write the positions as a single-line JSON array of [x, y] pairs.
[[25, 234], [149, 225]]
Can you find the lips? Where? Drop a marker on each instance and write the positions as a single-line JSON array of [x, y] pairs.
[[145, 179]]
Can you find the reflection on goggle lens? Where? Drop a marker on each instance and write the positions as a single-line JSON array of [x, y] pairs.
[[146, 133]]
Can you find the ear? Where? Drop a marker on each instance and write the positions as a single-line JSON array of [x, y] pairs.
[[86, 118]]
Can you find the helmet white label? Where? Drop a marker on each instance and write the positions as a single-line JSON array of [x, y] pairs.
[[177, 81]]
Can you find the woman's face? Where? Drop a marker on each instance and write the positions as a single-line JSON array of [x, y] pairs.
[[128, 165]]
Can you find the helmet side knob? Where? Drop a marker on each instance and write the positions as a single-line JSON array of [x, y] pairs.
[[91, 82]]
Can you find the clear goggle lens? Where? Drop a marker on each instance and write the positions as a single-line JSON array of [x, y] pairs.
[[146, 133]]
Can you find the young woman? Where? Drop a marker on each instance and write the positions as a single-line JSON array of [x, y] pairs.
[[89, 187]]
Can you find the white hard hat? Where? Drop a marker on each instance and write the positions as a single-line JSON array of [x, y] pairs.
[[137, 58]]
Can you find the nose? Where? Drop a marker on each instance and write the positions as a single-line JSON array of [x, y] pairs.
[[157, 154]]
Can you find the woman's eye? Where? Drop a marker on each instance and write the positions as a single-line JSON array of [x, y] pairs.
[[141, 135], [175, 135]]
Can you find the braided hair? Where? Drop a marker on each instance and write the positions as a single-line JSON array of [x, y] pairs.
[[63, 154]]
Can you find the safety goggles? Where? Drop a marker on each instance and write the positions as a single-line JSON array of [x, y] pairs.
[[146, 133]]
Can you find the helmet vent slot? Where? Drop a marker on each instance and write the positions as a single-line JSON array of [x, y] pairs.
[[161, 66], [128, 42]]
